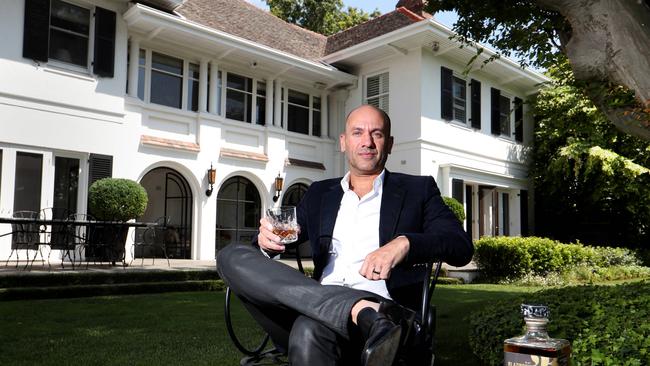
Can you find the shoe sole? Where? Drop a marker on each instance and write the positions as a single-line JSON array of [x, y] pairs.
[[385, 351]]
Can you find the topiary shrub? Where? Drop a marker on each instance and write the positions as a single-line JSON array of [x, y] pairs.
[[117, 199], [456, 207], [603, 323]]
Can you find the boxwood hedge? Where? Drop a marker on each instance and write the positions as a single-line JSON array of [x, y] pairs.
[[514, 257], [606, 325]]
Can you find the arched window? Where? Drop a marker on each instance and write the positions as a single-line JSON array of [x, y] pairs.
[[238, 212], [294, 194]]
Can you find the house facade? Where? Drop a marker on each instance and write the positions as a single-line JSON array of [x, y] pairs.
[[161, 91]]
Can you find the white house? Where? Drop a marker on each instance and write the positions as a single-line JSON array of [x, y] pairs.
[[160, 91]]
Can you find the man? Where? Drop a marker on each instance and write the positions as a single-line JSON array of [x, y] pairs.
[[367, 231]]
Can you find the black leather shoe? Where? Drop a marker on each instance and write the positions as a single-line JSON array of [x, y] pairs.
[[400, 315], [382, 338]]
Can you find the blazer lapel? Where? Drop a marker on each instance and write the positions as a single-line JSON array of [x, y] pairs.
[[391, 205]]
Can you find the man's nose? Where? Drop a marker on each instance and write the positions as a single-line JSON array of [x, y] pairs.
[[368, 140]]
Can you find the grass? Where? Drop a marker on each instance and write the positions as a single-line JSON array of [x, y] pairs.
[[181, 328]]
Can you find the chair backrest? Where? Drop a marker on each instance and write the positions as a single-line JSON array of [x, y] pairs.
[[79, 233], [56, 235], [25, 235]]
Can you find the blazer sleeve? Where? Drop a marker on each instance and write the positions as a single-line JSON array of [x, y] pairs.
[[442, 237]]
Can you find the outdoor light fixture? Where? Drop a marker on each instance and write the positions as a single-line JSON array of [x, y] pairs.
[[279, 182], [212, 177]]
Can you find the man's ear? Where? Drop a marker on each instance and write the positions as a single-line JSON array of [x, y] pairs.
[[389, 145], [342, 142]]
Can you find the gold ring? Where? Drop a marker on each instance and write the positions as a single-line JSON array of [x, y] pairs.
[[375, 272]]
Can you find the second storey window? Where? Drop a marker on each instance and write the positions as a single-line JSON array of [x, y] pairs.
[[459, 100], [69, 33], [193, 87], [166, 80], [504, 115], [377, 91], [239, 97], [298, 112]]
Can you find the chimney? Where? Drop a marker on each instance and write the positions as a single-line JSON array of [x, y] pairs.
[[415, 6]]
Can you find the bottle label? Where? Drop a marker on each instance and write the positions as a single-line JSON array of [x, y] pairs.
[[520, 359]]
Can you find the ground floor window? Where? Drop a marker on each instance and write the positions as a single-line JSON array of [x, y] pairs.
[[28, 180], [238, 212]]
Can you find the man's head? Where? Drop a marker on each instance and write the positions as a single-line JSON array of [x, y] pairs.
[[366, 140]]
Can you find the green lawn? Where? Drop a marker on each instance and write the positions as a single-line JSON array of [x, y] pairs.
[[180, 328]]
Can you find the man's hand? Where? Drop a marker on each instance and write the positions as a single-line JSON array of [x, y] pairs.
[[267, 240], [379, 263]]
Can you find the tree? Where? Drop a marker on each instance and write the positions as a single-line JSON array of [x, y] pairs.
[[321, 16], [606, 42], [591, 180]]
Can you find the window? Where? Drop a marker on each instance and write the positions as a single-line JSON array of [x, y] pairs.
[[504, 115], [66, 184], [69, 33], [141, 72], [166, 80], [298, 112], [377, 91], [239, 96], [238, 212], [27, 187], [66, 32], [260, 105], [459, 100], [193, 88], [316, 107]]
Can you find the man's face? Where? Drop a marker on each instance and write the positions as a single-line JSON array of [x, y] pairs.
[[366, 142]]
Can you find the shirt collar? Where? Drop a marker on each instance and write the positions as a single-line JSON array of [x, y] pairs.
[[377, 184]]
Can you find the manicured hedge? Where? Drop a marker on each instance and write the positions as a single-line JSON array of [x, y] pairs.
[[514, 257], [606, 325], [456, 207]]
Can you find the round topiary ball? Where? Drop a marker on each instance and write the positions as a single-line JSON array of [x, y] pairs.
[[456, 207], [117, 199]]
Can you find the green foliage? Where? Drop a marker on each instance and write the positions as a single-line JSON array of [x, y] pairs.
[[605, 324], [456, 207], [512, 258], [321, 16], [117, 199], [591, 180]]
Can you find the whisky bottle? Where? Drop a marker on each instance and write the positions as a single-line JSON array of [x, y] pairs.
[[536, 347]]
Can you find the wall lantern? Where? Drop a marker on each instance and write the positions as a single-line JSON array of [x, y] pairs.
[[279, 182], [212, 177]]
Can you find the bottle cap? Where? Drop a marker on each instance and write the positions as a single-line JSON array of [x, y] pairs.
[[535, 311]]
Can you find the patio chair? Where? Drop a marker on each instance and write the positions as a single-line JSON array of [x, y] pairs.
[[78, 235], [163, 234], [417, 347], [56, 235], [143, 239], [25, 237]]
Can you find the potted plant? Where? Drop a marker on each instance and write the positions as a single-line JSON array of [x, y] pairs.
[[116, 200]]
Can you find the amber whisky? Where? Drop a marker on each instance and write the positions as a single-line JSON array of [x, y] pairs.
[[536, 347]]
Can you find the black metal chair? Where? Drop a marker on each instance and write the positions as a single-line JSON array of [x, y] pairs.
[[418, 348], [25, 237], [78, 235], [153, 240], [55, 236]]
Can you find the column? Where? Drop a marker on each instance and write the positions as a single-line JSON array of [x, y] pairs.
[[324, 108], [134, 62], [277, 116], [269, 102], [203, 86], [214, 88]]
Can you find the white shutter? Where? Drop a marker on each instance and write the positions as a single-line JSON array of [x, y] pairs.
[[377, 91]]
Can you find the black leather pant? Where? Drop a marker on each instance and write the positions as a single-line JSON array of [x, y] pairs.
[[303, 317]]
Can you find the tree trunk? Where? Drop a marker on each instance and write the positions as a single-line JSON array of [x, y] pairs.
[[610, 42]]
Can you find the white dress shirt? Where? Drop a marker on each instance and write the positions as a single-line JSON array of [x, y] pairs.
[[356, 234]]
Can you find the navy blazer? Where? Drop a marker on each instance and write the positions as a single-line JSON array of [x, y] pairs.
[[410, 206]]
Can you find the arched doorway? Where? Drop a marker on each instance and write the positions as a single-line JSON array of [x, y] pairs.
[[292, 197], [170, 197], [238, 212]]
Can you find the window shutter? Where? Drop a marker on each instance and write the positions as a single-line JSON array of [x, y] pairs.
[[519, 120], [104, 61], [476, 104], [377, 91], [523, 207], [36, 30], [446, 92], [457, 189], [495, 112], [100, 166]]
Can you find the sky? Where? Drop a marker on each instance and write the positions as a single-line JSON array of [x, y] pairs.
[[384, 6]]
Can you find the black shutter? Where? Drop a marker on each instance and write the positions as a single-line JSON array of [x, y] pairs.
[[100, 166], [519, 120], [523, 206], [36, 30], [476, 104], [104, 61], [447, 101], [469, 213], [457, 189], [496, 113]]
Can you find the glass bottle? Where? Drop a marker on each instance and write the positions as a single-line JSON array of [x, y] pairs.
[[536, 347]]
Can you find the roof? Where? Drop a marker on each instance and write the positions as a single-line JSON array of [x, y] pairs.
[[373, 28], [245, 20]]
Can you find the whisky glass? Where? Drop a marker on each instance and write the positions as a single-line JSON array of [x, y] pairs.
[[285, 223]]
